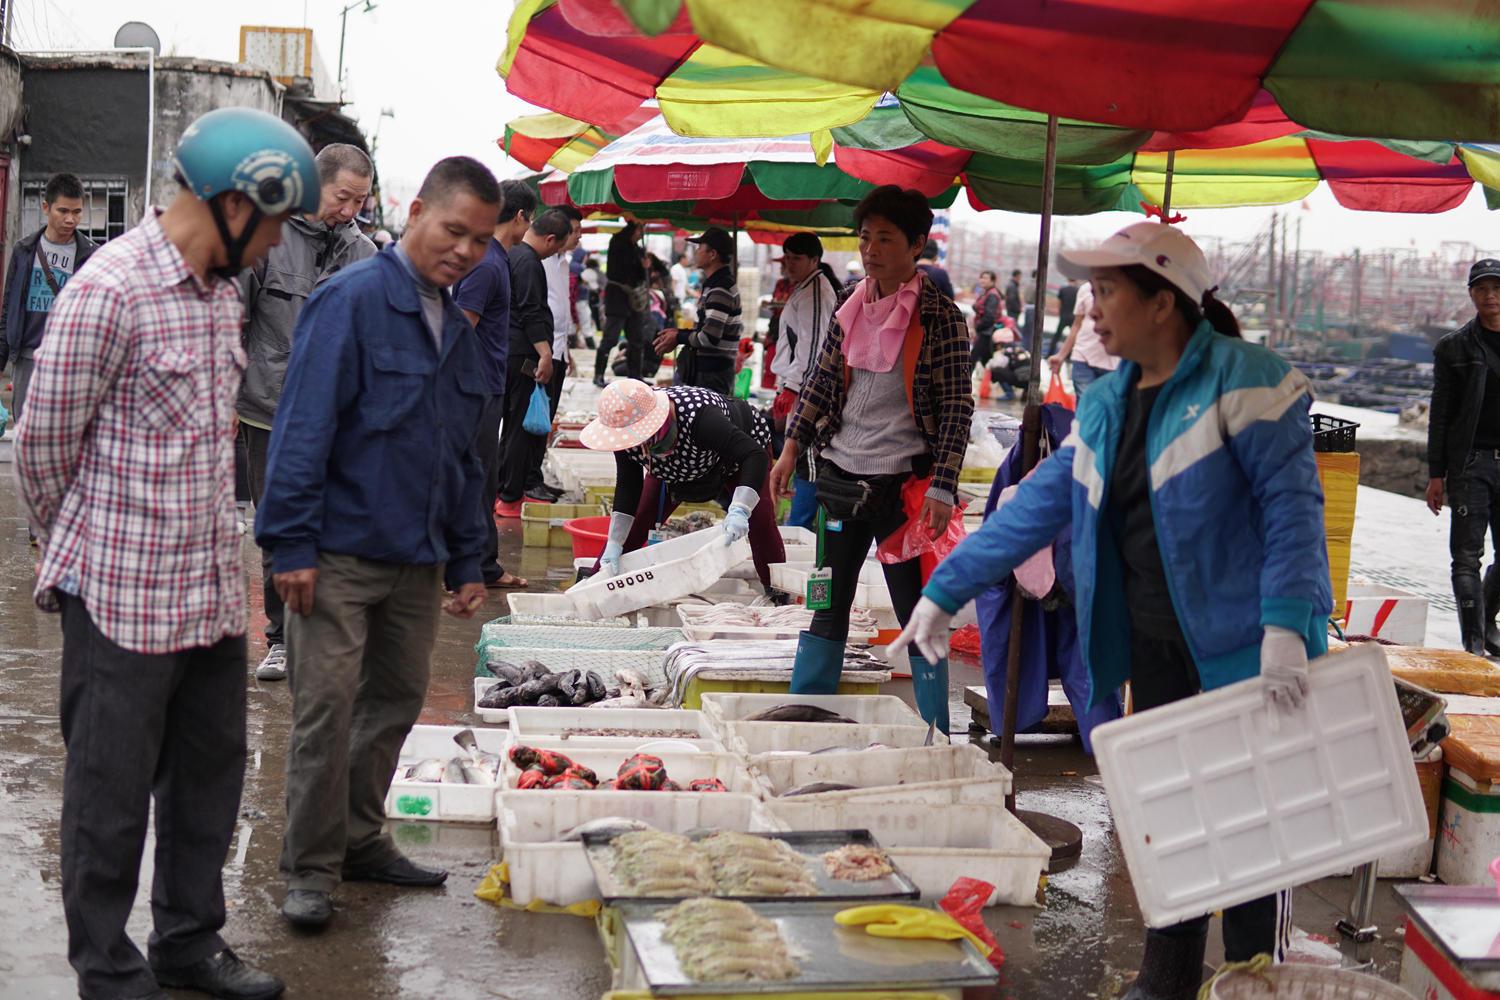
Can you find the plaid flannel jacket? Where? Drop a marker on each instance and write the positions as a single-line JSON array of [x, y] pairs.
[[125, 453], [942, 388]]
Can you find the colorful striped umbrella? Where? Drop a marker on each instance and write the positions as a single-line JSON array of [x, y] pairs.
[[1410, 69]]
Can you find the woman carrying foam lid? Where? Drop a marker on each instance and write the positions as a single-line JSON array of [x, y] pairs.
[[1197, 528], [685, 444]]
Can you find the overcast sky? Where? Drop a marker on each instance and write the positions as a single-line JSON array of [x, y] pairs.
[[432, 63]]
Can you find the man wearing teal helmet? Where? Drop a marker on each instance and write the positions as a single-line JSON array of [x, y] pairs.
[[126, 463]]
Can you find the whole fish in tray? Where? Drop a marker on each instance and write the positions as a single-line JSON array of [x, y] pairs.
[[798, 713]]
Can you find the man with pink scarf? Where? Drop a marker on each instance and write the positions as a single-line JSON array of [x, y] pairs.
[[889, 401]]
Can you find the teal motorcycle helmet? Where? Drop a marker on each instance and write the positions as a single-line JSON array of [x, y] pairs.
[[255, 154]]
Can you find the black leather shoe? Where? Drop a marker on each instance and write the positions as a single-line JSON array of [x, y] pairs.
[[403, 872], [223, 975], [307, 907]]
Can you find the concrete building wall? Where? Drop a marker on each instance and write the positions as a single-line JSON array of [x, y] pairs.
[[185, 92], [10, 180]]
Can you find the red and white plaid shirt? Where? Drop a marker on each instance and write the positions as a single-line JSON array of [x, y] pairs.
[[125, 451]]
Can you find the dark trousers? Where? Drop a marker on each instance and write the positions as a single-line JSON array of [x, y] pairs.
[[633, 327], [983, 349], [358, 670], [489, 458], [138, 728], [257, 445], [716, 376], [844, 552], [1162, 671], [1474, 496], [520, 452], [766, 546]]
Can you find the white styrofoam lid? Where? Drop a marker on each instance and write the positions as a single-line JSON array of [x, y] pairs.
[[1213, 808]]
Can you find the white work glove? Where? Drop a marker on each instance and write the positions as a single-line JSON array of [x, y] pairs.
[[737, 521], [928, 630], [614, 546], [1283, 669]]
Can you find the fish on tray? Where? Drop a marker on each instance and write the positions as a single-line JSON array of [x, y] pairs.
[[608, 826], [798, 713], [815, 788], [453, 771], [722, 941]]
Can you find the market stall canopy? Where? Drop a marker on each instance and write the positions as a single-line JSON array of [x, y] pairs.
[[769, 184], [1406, 69]]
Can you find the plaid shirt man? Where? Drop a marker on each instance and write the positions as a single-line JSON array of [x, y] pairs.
[[942, 391], [125, 455]]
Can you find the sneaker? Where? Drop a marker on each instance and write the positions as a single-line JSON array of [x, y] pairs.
[[507, 509], [273, 667]]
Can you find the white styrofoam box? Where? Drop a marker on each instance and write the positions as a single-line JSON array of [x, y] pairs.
[[1468, 836], [696, 629], [1386, 613], [542, 867], [1417, 861], [528, 724], [871, 591], [682, 767], [437, 800], [751, 738], [1213, 808], [961, 772], [937, 844], [866, 709], [659, 573], [545, 605]]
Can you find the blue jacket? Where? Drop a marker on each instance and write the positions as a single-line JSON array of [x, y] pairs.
[[1236, 501], [373, 448]]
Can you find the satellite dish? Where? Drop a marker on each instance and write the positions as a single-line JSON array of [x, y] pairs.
[[137, 35]]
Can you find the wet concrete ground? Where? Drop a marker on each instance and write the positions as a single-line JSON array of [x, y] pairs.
[[445, 943]]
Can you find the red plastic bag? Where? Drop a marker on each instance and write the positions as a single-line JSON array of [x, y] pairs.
[[1057, 393], [965, 903], [913, 538]]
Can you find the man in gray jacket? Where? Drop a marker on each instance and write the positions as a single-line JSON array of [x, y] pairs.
[[312, 249]]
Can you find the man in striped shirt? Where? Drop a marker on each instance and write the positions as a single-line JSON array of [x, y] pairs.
[[125, 459], [712, 346]]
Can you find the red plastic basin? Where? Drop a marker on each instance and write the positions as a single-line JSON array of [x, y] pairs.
[[589, 535]]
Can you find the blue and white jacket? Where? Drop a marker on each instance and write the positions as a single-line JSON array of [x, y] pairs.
[[1235, 499]]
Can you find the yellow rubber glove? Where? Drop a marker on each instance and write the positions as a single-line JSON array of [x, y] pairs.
[[892, 920]]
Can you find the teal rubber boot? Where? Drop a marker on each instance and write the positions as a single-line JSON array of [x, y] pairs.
[[930, 681], [819, 665]]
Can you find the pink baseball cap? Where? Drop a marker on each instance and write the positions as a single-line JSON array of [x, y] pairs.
[[630, 412], [1156, 246]]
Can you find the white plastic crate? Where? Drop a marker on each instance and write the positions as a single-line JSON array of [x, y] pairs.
[[501, 636], [1386, 613], [544, 605], [542, 867], [960, 773], [695, 628], [937, 844], [429, 800], [866, 709], [682, 767], [1213, 808], [871, 591], [751, 738], [1468, 829], [659, 574], [529, 724]]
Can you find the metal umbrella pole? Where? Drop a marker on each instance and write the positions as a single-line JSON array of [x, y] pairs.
[[1065, 839]]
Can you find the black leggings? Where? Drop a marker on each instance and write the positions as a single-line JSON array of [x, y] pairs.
[[1162, 671], [844, 551]]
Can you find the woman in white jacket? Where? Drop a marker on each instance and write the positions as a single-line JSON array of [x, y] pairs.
[[804, 322]]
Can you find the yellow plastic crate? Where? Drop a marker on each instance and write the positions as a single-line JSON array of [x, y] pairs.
[[599, 493], [541, 523], [698, 687]]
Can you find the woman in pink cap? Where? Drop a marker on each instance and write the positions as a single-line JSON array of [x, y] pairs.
[[1189, 495], [685, 444]]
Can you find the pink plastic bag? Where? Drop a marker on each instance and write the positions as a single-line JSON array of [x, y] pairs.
[[965, 903], [913, 539], [1037, 575]]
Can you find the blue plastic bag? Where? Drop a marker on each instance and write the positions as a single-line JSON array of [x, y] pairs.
[[538, 413], [4, 418]]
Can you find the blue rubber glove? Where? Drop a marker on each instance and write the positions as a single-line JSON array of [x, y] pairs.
[[737, 521], [614, 546]]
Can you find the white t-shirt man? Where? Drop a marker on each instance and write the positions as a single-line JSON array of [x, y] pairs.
[[679, 281], [1088, 348], [556, 269]]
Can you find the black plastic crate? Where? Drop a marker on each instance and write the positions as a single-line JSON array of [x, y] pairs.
[[1333, 433]]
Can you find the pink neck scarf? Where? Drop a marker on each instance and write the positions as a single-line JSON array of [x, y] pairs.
[[874, 327]]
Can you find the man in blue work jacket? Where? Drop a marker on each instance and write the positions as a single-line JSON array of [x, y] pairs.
[[371, 506]]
